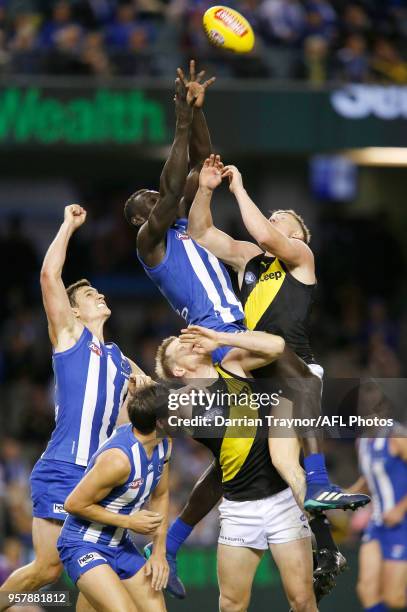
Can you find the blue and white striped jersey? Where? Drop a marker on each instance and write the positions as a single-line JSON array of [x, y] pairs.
[[195, 282], [144, 476], [385, 474], [91, 380]]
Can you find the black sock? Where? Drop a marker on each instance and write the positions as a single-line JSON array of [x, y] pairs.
[[321, 529]]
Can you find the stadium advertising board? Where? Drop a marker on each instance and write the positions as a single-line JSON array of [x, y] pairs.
[[269, 119]]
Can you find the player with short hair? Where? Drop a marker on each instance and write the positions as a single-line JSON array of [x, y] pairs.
[[91, 380], [259, 510], [128, 471], [382, 583]]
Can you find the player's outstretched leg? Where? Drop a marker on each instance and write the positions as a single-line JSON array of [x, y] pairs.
[[46, 567], [206, 493]]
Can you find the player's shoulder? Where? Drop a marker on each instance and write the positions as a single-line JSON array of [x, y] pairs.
[[114, 459]]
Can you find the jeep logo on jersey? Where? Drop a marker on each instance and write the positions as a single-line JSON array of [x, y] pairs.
[[272, 276], [95, 348], [250, 278], [59, 509], [150, 467], [182, 236], [136, 484], [89, 557]]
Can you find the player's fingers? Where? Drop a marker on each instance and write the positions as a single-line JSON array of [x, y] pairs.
[[166, 576], [192, 70], [200, 76], [188, 340], [163, 577], [209, 82], [196, 329], [157, 577], [181, 75]]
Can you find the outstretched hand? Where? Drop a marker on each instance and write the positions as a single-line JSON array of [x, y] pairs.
[[195, 89], [211, 173]]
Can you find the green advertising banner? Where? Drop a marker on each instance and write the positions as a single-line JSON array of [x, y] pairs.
[[244, 117]]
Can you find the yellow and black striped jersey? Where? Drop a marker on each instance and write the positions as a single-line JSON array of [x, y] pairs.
[[276, 302], [241, 444]]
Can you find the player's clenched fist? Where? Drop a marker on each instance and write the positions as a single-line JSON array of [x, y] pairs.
[[144, 521], [75, 215]]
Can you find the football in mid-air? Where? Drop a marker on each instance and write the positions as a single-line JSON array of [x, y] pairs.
[[228, 29]]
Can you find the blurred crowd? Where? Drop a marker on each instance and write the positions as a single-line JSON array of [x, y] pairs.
[[313, 40], [355, 331]]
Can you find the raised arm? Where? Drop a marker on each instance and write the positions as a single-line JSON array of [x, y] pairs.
[[235, 253], [292, 251], [254, 349], [200, 141], [63, 327], [152, 234], [112, 469]]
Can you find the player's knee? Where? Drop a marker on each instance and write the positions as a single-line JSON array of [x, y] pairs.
[[366, 589], [230, 603], [303, 601], [47, 573], [395, 599]]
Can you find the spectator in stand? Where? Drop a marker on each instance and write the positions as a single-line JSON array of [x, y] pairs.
[[118, 33], [352, 60], [282, 22], [24, 45], [315, 61], [321, 20], [66, 58], [387, 63], [94, 55], [61, 18], [355, 20]]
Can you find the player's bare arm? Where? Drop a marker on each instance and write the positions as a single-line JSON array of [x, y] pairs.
[[112, 469], [64, 328], [157, 565], [151, 237], [200, 141], [291, 250], [201, 228], [253, 350]]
